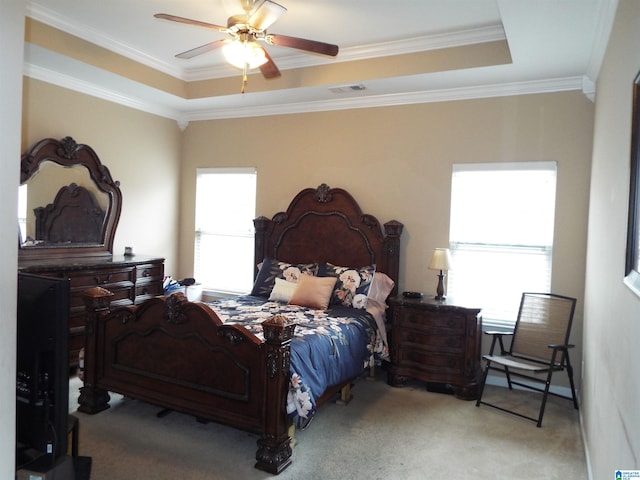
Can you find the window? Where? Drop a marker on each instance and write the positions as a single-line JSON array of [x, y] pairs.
[[501, 235], [225, 209]]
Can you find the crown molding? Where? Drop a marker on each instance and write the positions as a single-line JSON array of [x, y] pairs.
[[398, 99], [186, 112], [88, 88], [411, 45], [53, 19]]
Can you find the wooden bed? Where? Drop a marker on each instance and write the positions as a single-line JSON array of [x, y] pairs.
[[180, 356]]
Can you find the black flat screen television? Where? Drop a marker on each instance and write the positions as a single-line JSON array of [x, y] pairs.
[[42, 383]]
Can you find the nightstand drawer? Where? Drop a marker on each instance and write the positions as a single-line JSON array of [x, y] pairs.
[[433, 321], [425, 361], [431, 341]]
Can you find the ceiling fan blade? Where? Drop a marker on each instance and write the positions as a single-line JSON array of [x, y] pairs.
[[269, 69], [265, 14], [188, 21], [207, 47], [302, 44]]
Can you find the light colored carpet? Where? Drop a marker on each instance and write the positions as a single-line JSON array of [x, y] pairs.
[[384, 433]]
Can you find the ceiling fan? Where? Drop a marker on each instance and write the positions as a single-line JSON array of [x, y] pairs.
[[242, 48]]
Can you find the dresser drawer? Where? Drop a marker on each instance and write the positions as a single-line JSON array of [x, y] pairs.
[[150, 272], [123, 294], [146, 290], [104, 278], [77, 318]]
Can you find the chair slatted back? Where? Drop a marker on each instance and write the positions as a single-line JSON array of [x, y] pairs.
[[543, 319]]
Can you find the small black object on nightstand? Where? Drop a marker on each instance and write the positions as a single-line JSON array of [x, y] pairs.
[[412, 294]]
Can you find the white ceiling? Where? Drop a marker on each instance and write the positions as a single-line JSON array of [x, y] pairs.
[[555, 45]]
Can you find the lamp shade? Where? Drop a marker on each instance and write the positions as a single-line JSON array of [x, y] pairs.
[[245, 53], [441, 259]]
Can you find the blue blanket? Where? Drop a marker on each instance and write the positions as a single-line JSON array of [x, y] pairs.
[[330, 347]]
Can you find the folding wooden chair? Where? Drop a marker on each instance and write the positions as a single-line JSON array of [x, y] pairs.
[[539, 345]]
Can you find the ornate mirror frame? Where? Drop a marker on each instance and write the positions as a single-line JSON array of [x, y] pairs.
[[632, 265], [68, 153]]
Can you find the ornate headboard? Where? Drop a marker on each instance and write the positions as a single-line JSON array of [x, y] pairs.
[[327, 225], [74, 217]]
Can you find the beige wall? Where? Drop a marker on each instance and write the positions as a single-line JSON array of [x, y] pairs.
[[141, 150], [397, 163], [611, 384]]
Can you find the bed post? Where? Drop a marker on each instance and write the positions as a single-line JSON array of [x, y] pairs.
[[274, 447], [393, 230], [260, 224], [93, 399]]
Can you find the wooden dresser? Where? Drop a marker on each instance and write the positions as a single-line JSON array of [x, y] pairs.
[[132, 280], [71, 213], [437, 342]]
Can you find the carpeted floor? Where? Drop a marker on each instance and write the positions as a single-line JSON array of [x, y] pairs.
[[384, 433]]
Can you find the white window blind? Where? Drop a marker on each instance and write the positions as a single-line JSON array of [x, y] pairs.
[[501, 235], [224, 237]]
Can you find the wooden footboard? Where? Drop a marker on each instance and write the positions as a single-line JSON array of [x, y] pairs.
[[179, 355]]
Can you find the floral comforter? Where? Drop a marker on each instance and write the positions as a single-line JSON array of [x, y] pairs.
[[329, 347]]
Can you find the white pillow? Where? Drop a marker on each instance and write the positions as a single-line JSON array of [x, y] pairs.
[[381, 287], [282, 291]]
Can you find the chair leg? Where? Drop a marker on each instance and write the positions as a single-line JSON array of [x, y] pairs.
[[570, 374], [508, 375], [483, 380], [545, 395]]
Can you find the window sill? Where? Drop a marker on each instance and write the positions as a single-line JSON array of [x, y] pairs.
[[633, 282], [210, 295], [497, 325]]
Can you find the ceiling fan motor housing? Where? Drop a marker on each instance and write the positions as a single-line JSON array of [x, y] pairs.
[[238, 23]]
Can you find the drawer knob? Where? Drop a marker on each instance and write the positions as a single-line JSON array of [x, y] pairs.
[[102, 282]]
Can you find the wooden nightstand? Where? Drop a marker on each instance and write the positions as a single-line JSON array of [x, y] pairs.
[[435, 342]]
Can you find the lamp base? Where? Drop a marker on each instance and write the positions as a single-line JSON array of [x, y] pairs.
[[440, 289]]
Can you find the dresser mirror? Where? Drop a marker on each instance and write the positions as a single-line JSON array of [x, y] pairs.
[[69, 204]]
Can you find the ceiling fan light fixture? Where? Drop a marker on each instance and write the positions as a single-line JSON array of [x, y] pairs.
[[243, 54]]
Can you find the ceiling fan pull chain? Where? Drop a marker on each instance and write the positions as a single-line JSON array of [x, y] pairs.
[[244, 78]]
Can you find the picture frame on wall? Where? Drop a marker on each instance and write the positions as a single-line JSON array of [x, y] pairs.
[[632, 264]]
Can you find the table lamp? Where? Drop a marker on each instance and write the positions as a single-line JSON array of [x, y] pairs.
[[440, 260]]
